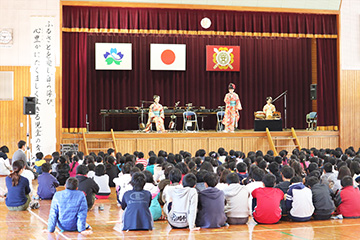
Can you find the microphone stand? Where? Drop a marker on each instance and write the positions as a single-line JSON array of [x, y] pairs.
[[283, 94]]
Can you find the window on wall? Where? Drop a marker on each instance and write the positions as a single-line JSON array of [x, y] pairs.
[[6, 86]]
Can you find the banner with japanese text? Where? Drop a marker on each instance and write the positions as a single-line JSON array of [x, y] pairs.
[[222, 58], [43, 123]]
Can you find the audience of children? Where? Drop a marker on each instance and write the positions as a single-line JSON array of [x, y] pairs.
[[193, 195]]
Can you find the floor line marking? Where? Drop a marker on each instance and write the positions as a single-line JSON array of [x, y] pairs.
[[45, 222], [289, 234]]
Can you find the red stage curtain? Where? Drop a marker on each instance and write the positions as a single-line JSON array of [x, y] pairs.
[[327, 82], [74, 80], [268, 67], [187, 19]]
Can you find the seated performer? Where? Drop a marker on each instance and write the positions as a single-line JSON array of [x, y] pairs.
[[156, 115], [233, 106], [269, 108]]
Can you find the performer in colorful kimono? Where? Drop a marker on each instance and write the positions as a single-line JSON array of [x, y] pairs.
[[269, 108], [156, 115], [232, 108]]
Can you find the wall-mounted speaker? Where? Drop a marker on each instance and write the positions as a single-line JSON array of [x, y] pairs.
[[313, 93], [29, 105]]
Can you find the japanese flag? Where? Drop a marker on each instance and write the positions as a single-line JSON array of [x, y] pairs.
[[168, 57]]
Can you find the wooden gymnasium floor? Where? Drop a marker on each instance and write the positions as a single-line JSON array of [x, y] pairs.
[[30, 224]]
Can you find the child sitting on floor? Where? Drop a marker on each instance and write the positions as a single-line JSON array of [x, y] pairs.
[[47, 183], [135, 204], [286, 174], [181, 211], [87, 185], [122, 181], [175, 178], [299, 201], [39, 162], [211, 204], [236, 197], [69, 209], [322, 200], [150, 186], [266, 201], [347, 200], [102, 180]]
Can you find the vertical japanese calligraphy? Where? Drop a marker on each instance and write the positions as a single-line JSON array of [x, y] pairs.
[[43, 130]]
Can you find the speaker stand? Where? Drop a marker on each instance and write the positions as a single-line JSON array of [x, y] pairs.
[[28, 151]]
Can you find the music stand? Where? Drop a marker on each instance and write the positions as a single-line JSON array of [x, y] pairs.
[[285, 115]]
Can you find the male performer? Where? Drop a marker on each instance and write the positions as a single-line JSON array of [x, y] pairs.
[[233, 106], [156, 114]]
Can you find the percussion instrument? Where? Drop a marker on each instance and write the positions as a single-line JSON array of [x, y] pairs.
[[277, 115], [259, 115]]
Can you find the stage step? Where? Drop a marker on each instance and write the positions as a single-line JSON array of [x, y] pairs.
[[274, 147], [286, 146], [100, 140], [283, 138], [98, 149]]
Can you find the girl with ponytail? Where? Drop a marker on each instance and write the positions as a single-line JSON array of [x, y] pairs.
[[18, 198], [73, 166]]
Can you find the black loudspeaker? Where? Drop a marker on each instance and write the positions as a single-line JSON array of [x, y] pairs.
[[313, 94], [29, 105]]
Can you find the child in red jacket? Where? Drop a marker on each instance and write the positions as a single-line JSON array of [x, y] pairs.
[[266, 201], [347, 200]]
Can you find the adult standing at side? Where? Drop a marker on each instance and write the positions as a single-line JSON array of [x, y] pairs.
[[232, 108], [20, 153]]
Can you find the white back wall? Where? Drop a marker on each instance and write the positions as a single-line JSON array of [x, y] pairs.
[[350, 35], [16, 14]]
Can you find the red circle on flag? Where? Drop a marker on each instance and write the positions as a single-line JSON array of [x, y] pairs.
[[168, 57]]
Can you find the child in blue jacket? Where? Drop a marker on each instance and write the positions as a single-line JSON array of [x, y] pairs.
[[69, 209]]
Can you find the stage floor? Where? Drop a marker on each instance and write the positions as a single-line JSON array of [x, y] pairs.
[[106, 225], [240, 140]]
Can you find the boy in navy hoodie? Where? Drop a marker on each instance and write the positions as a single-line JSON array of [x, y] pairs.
[[211, 204]]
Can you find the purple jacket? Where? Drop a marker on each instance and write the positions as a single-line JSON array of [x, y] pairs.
[[211, 208]]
